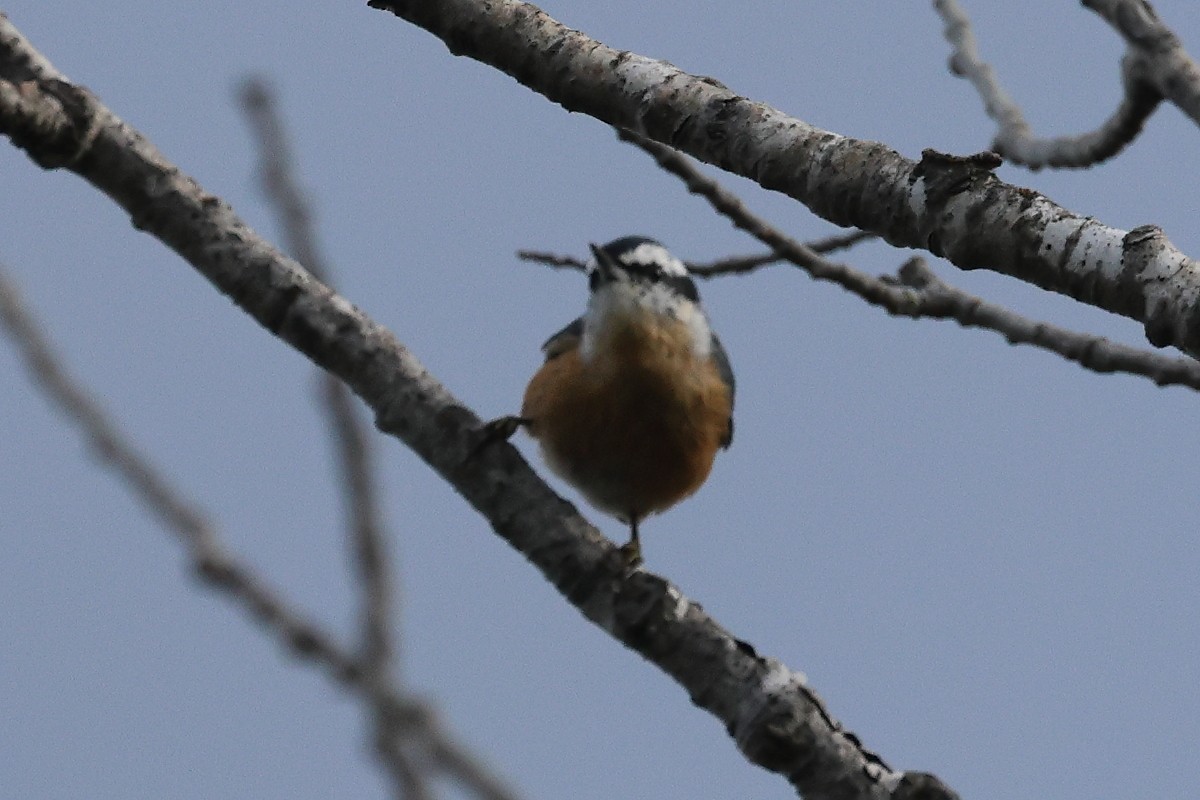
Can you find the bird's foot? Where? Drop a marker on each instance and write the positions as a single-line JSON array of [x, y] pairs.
[[499, 429], [631, 554]]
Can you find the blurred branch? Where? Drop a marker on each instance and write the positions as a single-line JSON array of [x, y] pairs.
[[1155, 67], [768, 710], [917, 292], [219, 568], [350, 436], [213, 562], [393, 739], [350, 439]]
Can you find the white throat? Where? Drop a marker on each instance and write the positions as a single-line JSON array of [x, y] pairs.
[[620, 300]]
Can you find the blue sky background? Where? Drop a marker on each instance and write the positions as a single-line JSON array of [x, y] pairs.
[[983, 557]]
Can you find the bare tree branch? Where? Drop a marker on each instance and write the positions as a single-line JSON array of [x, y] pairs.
[[734, 265], [769, 711], [349, 434], [953, 208], [740, 265], [1155, 67], [210, 557], [1155, 56], [553, 260], [1014, 139], [461, 765], [407, 718], [939, 300], [932, 297], [409, 751], [895, 299], [351, 440]]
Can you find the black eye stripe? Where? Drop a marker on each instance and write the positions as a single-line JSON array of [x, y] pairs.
[[645, 270], [643, 261], [684, 285]]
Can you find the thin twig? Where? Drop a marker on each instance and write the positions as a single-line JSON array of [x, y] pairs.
[[918, 293], [734, 265], [553, 260], [1014, 138], [1096, 353], [740, 265], [874, 290]]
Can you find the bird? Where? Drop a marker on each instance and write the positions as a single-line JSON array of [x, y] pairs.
[[635, 397]]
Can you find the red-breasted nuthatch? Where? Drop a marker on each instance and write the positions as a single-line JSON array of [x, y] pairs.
[[636, 396]]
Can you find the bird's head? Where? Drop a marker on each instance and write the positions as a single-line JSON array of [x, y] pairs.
[[636, 280]]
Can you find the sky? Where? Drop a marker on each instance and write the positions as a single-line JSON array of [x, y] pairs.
[[982, 556]]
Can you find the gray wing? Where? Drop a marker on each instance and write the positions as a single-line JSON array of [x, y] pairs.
[[725, 370], [566, 339]]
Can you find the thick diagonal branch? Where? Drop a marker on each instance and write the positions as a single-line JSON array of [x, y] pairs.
[[953, 208], [770, 712], [918, 292]]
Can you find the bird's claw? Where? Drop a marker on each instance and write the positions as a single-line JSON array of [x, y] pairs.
[[499, 429]]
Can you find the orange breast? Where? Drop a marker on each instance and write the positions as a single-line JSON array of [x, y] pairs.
[[636, 427]]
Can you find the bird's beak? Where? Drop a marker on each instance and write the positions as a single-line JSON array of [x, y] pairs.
[[606, 266]]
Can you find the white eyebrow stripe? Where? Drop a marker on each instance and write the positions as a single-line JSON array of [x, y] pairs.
[[651, 253]]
